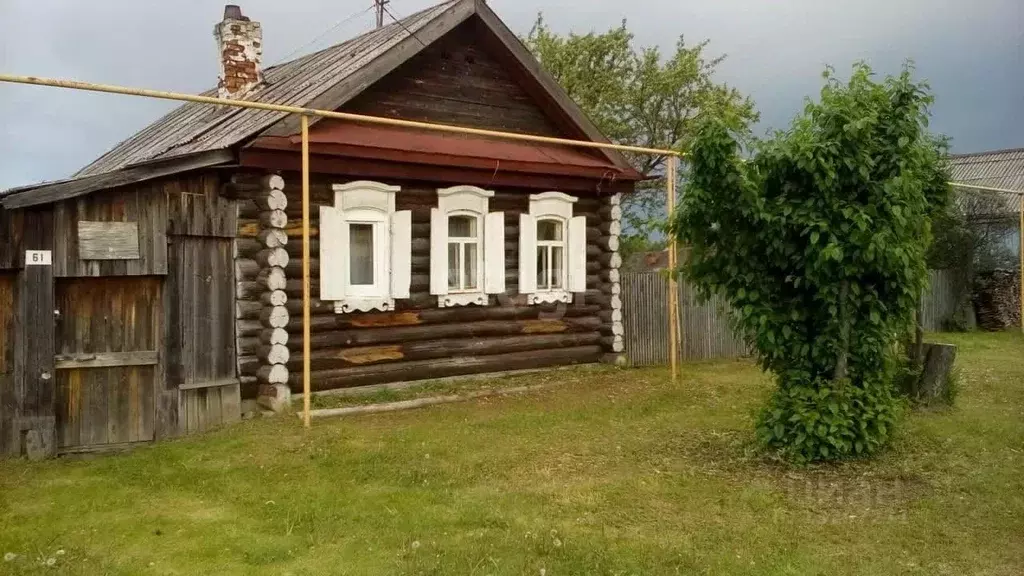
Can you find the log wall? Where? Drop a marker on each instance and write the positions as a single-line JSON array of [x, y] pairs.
[[418, 339], [261, 260]]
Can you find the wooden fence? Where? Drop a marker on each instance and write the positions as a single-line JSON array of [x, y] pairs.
[[941, 299], [705, 325], [706, 331]]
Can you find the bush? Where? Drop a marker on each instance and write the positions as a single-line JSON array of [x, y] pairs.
[[818, 243]]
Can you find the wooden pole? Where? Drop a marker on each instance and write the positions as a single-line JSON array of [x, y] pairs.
[[673, 305], [305, 272], [1020, 250]]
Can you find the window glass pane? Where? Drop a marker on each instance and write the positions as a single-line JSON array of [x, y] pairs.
[[360, 247], [462, 227], [549, 230], [557, 266], [543, 268], [470, 267], [454, 267]]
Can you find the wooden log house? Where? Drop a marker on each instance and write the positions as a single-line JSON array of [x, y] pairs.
[[159, 288]]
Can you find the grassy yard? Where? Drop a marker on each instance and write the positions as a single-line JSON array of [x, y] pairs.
[[614, 472]]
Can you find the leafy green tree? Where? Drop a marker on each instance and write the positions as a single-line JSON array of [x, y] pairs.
[[818, 242], [636, 96]]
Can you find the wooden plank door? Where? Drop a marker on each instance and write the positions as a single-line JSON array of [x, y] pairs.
[[108, 338], [201, 333]]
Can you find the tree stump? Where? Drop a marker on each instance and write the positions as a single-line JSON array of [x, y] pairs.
[[934, 382]]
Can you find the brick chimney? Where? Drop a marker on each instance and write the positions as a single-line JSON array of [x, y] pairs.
[[240, 46]]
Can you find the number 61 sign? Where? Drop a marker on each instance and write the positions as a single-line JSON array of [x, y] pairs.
[[38, 258]]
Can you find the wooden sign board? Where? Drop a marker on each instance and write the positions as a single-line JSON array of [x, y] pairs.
[[108, 240]]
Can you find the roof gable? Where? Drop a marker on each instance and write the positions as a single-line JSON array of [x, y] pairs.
[[458, 81]]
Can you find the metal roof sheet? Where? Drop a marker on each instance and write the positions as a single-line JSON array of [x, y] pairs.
[[999, 169], [196, 127]]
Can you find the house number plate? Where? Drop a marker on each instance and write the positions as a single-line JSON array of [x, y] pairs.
[[38, 258]]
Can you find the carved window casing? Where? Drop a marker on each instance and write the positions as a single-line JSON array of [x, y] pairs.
[[365, 248], [552, 249], [467, 247]]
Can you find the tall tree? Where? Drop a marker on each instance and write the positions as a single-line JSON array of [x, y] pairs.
[[818, 242], [637, 96]]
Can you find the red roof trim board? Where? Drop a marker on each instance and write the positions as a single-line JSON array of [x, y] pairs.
[[340, 138]]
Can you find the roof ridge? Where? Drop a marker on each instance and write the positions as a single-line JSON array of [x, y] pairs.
[[986, 152], [395, 24]]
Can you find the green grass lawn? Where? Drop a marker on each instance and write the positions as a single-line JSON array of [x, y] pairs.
[[613, 472]]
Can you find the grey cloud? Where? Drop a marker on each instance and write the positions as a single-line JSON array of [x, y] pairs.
[[970, 51]]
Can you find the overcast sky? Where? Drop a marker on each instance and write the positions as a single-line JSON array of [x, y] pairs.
[[970, 51]]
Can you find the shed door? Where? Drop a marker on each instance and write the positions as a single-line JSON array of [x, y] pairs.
[[107, 361], [201, 350]]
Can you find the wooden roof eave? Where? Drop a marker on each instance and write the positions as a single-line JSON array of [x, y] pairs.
[[66, 189]]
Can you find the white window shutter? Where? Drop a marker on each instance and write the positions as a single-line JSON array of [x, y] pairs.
[[578, 254], [494, 253], [438, 252], [527, 254], [333, 254], [401, 253]]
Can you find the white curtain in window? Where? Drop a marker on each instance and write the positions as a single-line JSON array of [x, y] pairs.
[[467, 247], [552, 249]]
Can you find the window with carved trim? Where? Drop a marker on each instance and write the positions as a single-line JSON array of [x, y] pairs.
[[552, 249], [467, 247], [365, 248]]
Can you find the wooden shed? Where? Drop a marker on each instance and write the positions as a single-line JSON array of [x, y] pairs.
[[160, 287]]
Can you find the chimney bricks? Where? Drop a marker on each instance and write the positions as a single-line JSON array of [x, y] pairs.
[[240, 49]]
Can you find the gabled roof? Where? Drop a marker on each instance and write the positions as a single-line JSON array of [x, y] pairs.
[[324, 80]]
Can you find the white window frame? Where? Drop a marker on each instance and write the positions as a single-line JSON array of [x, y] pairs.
[[462, 242], [555, 206], [490, 258], [379, 221], [563, 281], [372, 203]]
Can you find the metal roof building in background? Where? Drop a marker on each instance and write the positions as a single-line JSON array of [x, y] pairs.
[[998, 169], [1002, 169]]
